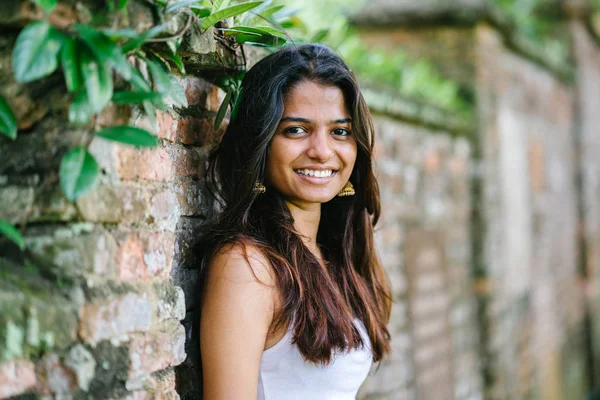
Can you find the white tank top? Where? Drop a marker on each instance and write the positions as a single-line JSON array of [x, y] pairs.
[[285, 375]]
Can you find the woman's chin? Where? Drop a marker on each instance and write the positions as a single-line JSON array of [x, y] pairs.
[[314, 198]]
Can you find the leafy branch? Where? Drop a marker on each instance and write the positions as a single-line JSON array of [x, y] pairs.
[[103, 66]]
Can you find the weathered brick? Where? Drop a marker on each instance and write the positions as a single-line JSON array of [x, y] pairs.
[[169, 301], [537, 169], [202, 94], [144, 254], [188, 162], [130, 203], [195, 131], [165, 208], [83, 364], [148, 164], [113, 317], [54, 377], [107, 314], [193, 197], [432, 161], [16, 377], [160, 385], [188, 129], [116, 202], [34, 315], [156, 350], [114, 114], [162, 163], [167, 126], [75, 251]]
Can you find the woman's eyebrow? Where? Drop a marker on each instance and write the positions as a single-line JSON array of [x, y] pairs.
[[295, 119], [342, 121], [307, 121]]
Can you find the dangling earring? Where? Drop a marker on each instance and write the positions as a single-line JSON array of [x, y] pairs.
[[348, 190], [259, 188]]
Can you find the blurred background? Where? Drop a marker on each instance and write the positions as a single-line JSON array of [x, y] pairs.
[[488, 160]]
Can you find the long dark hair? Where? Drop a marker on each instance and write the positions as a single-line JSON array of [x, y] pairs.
[[322, 301]]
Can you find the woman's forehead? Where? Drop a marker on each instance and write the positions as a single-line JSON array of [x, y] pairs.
[[315, 98]]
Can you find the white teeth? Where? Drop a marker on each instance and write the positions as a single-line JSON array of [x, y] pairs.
[[315, 173]]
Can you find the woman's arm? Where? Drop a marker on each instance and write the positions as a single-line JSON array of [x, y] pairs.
[[237, 310]]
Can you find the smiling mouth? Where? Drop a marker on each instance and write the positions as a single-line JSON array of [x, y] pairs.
[[322, 173]]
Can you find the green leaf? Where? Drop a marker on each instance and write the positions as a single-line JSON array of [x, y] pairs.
[[263, 11], [219, 5], [12, 233], [200, 11], [129, 135], [177, 94], [236, 105], [223, 109], [269, 12], [263, 35], [8, 122], [179, 4], [151, 113], [258, 30], [80, 110], [228, 13], [116, 34], [166, 84], [36, 52], [116, 5], [135, 97], [97, 79], [78, 173], [47, 5], [141, 38], [160, 77], [177, 61], [105, 50], [288, 12], [320, 36], [69, 56], [139, 82]]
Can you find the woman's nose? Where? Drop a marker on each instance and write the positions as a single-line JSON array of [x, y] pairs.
[[320, 147]]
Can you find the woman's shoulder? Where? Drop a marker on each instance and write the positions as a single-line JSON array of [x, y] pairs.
[[241, 262]]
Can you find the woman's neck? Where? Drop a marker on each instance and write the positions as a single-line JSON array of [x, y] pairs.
[[306, 222]]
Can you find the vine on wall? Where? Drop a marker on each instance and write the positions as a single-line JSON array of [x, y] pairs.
[[103, 66]]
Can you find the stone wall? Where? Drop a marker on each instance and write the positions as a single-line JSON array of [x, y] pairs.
[[424, 242], [587, 53], [534, 194], [93, 307], [535, 307]]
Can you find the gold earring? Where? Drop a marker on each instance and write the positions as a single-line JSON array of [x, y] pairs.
[[259, 188], [348, 190]]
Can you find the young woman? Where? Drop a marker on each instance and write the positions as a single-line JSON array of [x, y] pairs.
[[294, 302]]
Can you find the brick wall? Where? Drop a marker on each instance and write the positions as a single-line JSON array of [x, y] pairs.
[[535, 306], [587, 53], [534, 202], [93, 307], [423, 239]]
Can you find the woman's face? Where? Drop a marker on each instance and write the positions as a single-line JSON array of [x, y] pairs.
[[313, 151]]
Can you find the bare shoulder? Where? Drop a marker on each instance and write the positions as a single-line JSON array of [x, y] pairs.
[[241, 263], [238, 302]]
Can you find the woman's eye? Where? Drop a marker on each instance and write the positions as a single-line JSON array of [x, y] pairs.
[[341, 132], [294, 130]]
